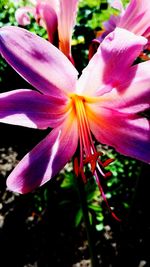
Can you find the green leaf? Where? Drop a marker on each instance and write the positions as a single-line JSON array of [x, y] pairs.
[[79, 217], [94, 207]]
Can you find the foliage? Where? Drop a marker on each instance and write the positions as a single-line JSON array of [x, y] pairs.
[[120, 186]]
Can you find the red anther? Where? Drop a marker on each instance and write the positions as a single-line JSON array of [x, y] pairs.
[[108, 174], [107, 162], [92, 159]]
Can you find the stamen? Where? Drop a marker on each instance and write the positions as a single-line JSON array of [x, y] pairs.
[[79, 171], [92, 159], [88, 153], [107, 162], [105, 199]]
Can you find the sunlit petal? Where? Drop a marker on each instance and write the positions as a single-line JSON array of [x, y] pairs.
[[66, 21], [38, 61], [128, 134], [46, 16], [31, 109], [136, 17], [135, 95], [45, 160], [110, 66]]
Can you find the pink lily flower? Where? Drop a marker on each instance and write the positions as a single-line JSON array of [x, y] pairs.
[[106, 102], [134, 18], [56, 16]]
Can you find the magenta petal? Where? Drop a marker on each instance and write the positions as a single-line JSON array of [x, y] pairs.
[[119, 50], [38, 61], [128, 134], [31, 109], [45, 160], [136, 16], [92, 76], [136, 96], [110, 25], [110, 66], [48, 15]]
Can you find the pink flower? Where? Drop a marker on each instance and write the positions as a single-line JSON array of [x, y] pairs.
[[134, 18], [56, 16], [106, 101]]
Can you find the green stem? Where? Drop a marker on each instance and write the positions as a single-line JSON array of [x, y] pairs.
[[84, 206]]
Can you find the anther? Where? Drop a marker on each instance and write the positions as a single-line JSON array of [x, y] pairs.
[[92, 159]]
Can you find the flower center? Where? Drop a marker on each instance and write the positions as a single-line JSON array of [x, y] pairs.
[[88, 152], [86, 143]]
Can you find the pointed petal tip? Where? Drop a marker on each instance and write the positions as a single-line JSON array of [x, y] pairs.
[[34, 58], [128, 36], [15, 184], [19, 187], [13, 188]]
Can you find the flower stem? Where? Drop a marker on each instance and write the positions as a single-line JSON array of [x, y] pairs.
[[84, 206]]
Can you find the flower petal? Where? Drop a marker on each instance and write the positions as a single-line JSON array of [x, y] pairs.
[[31, 109], [22, 16], [45, 14], [54, 4], [66, 21], [110, 66], [136, 17], [128, 134], [38, 61], [119, 50], [110, 25], [45, 160], [135, 97]]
